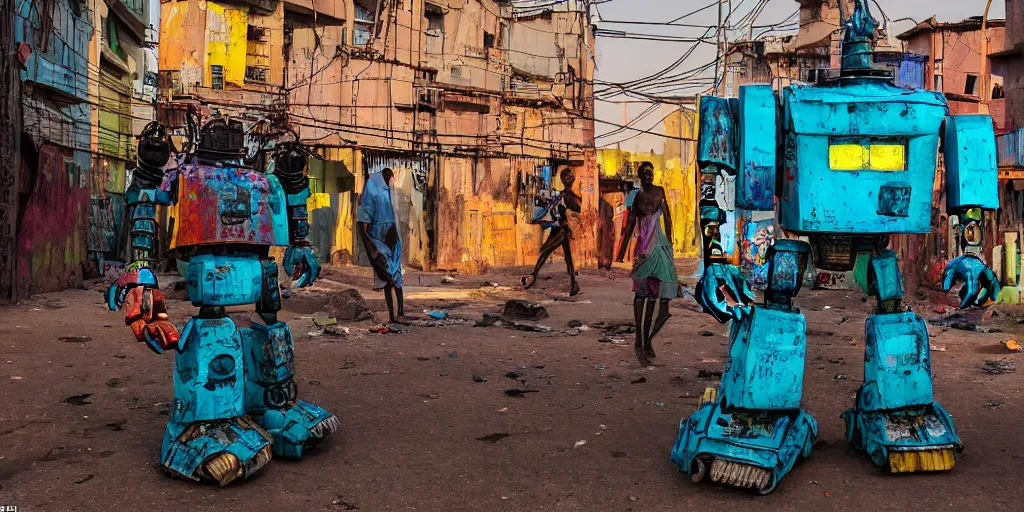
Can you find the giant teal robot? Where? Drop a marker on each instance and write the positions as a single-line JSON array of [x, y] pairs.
[[845, 163], [235, 399]]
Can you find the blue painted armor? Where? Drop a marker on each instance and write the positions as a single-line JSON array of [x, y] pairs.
[[857, 163], [235, 399]]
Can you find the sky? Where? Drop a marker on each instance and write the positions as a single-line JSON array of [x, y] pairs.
[[620, 60]]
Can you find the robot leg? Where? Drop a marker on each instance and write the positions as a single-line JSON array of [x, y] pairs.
[[208, 435], [270, 391], [751, 432], [895, 419]]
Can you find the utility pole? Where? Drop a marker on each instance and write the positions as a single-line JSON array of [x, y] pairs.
[[718, 47], [986, 87]]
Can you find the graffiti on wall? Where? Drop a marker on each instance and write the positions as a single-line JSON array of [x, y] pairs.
[[53, 229], [758, 234]]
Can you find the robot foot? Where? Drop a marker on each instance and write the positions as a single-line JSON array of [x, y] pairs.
[[221, 450], [740, 475], [298, 427]]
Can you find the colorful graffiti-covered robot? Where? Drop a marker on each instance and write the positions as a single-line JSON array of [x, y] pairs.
[[234, 388], [844, 163]]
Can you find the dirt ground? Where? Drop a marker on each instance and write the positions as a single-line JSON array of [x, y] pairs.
[[81, 421]]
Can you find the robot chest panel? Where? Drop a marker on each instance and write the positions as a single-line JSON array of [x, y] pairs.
[[223, 205]]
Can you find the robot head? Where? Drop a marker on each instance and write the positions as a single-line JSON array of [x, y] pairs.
[[154, 149], [858, 41], [221, 139]]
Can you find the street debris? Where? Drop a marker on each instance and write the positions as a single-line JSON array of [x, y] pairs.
[[641, 380], [493, 438], [599, 366], [709, 374], [575, 405], [478, 378], [993, 404], [518, 309], [75, 339], [436, 314], [345, 305], [324, 321], [530, 327], [998, 367], [840, 377], [453, 355], [78, 399], [937, 348], [609, 339], [707, 334], [513, 374], [448, 279], [337, 331], [518, 393], [1012, 345], [579, 443]]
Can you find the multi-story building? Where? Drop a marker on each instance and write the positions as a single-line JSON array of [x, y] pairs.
[[51, 43], [118, 65], [475, 104]]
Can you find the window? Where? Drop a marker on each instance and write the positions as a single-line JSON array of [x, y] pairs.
[[216, 77], [488, 40], [971, 85], [867, 154], [364, 20], [435, 29]]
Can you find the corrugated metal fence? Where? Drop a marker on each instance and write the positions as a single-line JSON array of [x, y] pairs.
[[1009, 147]]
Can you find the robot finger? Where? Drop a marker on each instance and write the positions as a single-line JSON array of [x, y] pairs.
[[151, 342], [970, 297]]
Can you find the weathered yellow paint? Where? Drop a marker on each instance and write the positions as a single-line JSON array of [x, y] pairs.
[[875, 157], [226, 42]]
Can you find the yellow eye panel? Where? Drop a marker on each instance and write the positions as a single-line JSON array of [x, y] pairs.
[[867, 157]]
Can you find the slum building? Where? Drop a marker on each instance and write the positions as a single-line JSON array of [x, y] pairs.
[[476, 105]]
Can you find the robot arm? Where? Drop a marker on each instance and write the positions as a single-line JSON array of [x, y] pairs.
[[300, 259], [737, 137], [971, 189], [137, 289]]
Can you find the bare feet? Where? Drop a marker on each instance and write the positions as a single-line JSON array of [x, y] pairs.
[[402, 320], [642, 356], [574, 290], [649, 352]]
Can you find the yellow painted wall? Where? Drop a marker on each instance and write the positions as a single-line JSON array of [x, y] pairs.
[[226, 43]]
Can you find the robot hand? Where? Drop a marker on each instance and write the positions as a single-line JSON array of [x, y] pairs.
[[146, 314], [126, 282], [980, 283], [721, 281], [302, 265]]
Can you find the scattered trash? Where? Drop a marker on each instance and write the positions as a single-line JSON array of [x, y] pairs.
[[826, 308], [422, 358], [121, 356], [113, 383], [524, 310], [518, 393], [709, 374], [633, 498], [840, 377], [575, 405], [432, 396], [937, 348], [344, 505], [579, 443], [609, 339], [503, 409], [574, 324], [707, 334], [447, 279], [116, 426], [956, 321], [338, 331], [843, 320], [1012, 345], [16, 377], [659, 404], [837, 360], [999, 367], [520, 326], [478, 378], [453, 356], [513, 374], [437, 314], [993, 404], [641, 380], [603, 427], [314, 334], [84, 480], [942, 310], [493, 438], [489, 320], [599, 366], [78, 399], [324, 321], [387, 329], [75, 339], [617, 328]]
